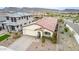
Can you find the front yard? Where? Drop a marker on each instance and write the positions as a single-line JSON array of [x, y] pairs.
[[44, 43], [9, 38], [39, 46]]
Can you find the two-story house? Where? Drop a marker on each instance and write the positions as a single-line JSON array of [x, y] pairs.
[[15, 21]]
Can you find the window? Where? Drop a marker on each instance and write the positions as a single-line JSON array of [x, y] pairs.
[[14, 19], [19, 18], [13, 27], [47, 33], [24, 23], [11, 19], [17, 26], [22, 17], [7, 18], [30, 16], [27, 17]]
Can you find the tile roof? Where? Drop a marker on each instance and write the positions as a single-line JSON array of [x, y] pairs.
[[18, 14], [48, 23]]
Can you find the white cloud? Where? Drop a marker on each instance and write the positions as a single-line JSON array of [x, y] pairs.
[[39, 3]]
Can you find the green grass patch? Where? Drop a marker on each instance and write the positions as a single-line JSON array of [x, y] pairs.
[[3, 37]]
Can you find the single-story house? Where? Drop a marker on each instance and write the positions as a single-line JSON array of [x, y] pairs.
[[73, 28], [43, 27]]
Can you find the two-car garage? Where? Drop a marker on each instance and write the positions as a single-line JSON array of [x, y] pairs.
[[32, 31]]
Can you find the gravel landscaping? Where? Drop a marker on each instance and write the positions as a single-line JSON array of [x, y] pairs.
[[66, 41], [39, 46]]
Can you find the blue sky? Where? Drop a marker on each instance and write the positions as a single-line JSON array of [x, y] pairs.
[[53, 4]]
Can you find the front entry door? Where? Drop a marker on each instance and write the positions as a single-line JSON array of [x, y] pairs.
[[39, 34]]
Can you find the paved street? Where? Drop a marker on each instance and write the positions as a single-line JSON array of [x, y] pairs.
[[73, 25], [22, 43]]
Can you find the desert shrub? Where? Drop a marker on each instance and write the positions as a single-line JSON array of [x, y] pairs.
[[16, 35], [62, 32], [61, 20], [71, 34], [10, 32], [54, 38], [66, 29]]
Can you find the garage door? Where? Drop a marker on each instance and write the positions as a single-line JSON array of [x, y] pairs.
[[30, 33]]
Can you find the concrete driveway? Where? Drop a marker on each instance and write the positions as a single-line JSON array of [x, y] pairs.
[[22, 43]]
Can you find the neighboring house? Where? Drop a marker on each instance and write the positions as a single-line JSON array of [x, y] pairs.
[[43, 27], [2, 20], [74, 28], [16, 21]]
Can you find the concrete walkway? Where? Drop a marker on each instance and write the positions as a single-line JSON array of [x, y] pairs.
[[22, 43]]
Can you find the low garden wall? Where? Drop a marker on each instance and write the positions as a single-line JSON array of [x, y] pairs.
[[75, 34]]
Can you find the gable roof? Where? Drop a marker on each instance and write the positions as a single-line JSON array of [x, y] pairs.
[[48, 23]]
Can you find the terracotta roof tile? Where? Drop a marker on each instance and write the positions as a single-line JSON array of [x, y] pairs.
[[48, 23]]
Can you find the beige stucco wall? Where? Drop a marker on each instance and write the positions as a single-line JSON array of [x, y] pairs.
[[30, 32], [34, 29], [51, 33]]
